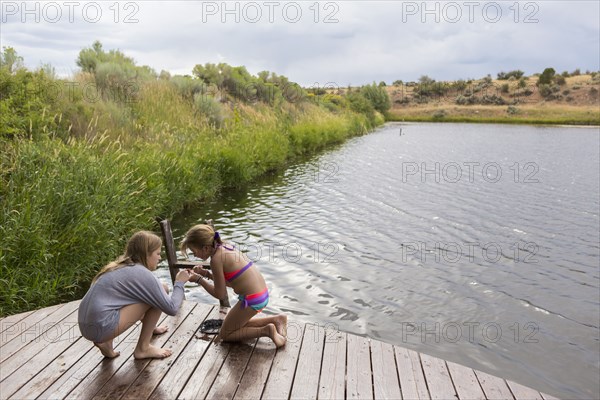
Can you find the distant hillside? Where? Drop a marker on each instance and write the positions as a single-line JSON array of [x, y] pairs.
[[566, 100]]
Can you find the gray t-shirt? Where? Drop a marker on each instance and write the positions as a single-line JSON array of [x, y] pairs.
[[99, 310]]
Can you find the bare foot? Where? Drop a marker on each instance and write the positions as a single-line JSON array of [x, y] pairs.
[[159, 330], [106, 348], [275, 336], [281, 324], [152, 352]]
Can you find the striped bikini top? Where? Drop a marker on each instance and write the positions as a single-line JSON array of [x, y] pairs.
[[229, 276]]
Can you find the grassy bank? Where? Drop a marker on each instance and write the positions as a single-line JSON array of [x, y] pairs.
[[78, 177]]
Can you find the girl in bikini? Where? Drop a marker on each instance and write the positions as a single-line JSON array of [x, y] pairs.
[[231, 268]]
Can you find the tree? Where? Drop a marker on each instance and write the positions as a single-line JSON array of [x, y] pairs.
[[89, 59], [546, 77], [377, 96], [425, 80], [10, 60]]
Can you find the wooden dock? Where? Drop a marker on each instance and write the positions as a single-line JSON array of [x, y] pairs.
[[43, 356]]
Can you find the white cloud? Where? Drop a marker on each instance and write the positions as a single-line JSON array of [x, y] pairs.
[[371, 40]]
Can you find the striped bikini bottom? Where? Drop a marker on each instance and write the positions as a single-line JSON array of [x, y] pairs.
[[257, 301]]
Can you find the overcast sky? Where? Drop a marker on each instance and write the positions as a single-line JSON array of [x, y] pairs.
[[310, 42]]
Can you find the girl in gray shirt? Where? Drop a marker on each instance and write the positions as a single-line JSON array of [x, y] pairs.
[[124, 292]]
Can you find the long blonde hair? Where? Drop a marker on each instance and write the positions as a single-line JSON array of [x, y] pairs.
[[138, 247], [199, 236]]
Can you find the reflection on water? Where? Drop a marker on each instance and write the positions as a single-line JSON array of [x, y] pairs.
[[475, 243]]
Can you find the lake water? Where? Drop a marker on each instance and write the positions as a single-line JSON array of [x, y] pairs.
[[478, 244]]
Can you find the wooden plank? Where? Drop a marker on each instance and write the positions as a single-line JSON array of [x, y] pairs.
[[97, 378], [358, 380], [67, 334], [81, 368], [26, 331], [151, 376], [49, 332], [385, 376], [281, 377], [523, 392], [332, 384], [437, 377], [122, 379], [230, 374], [183, 367], [54, 370], [9, 321], [306, 379], [205, 373], [494, 388], [410, 372], [255, 377], [465, 382]]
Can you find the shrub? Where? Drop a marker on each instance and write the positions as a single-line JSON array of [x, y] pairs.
[[210, 108], [504, 88], [439, 114], [465, 100], [377, 96], [545, 90], [517, 74], [492, 99], [546, 77], [559, 80], [512, 110]]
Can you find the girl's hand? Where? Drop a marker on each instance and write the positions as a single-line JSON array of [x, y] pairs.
[[183, 276], [201, 271]]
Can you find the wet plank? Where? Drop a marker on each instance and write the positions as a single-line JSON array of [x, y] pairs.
[[494, 388], [437, 377], [281, 377], [465, 382], [306, 379], [228, 378], [333, 371], [410, 372], [54, 370], [123, 378], [67, 334], [49, 333], [99, 376], [81, 368], [30, 328], [206, 371], [181, 370], [255, 377], [8, 322], [151, 376], [358, 379], [385, 377]]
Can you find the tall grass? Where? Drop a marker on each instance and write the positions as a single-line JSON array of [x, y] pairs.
[[76, 184]]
